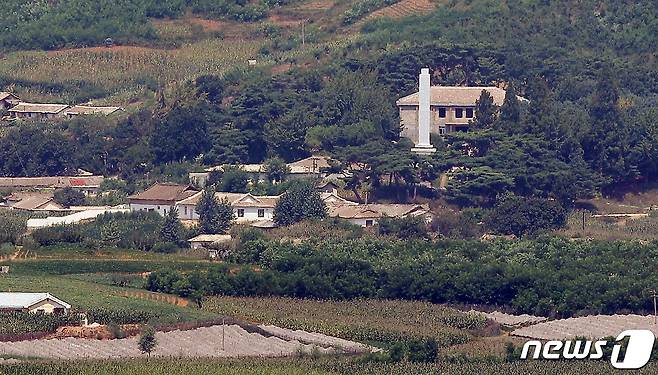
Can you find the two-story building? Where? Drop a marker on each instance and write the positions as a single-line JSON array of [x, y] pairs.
[[451, 109]]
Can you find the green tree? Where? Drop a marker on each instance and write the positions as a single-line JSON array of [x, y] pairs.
[[171, 228], [525, 216], [606, 146], [510, 111], [68, 197], [233, 180], [276, 169], [285, 136], [181, 134], [214, 216], [485, 111], [147, 341], [300, 202]]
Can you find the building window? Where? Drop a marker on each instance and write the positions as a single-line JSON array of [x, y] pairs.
[[240, 212], [442, 130], [459, 112], [261, 212], [469, 112], [185, 210], [369, 223], [442, 112]]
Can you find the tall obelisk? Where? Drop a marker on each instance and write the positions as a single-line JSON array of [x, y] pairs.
[[423, 146]]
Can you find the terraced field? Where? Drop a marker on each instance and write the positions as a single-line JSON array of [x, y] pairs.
[[404, 8], [593, 326], [215, 341]]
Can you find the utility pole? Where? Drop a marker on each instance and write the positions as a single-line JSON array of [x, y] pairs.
[[583, 221], [303, 33], [223, 334], [655, 311]]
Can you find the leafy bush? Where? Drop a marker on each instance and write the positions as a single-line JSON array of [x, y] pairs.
[[57, 234], [526, 216], [404, 228]]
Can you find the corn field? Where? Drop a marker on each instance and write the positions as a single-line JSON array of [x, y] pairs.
[[323, 366], [120, 69], [359, 320]]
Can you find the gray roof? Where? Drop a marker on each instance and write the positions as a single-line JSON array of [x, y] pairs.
[[9, 300], [91, 110], [24, 107]]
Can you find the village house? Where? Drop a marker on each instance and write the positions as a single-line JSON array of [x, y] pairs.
[[246, 207], [33, 302], [440, 109], [37, 111], [367, 215], [89, 185], [32, 201], [7, 100], [160, 197], [90, 110], [311, 167]]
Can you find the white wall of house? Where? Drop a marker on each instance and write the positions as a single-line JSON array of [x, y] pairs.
[[47, 307], [253, 213], [162, 209], [363, 222], [188, 212]]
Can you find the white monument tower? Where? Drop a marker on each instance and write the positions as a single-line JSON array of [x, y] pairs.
[[423, 146]]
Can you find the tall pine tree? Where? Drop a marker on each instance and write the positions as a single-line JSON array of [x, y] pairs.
[[485, 111], [214, 216]]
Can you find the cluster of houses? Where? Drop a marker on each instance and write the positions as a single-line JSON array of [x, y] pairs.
[[37, 193], [258, 211], [46, 111]]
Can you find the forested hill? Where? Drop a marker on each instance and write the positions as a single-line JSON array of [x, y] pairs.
[[588, 68]]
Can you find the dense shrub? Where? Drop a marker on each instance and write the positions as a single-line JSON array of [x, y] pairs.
[[12, 225], [404, 228], [57, 234], [553, 276], [526, 216], [120, 316]]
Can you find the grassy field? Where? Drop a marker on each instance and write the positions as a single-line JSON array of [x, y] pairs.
[[373, 321], [83, 295], [322, 366], [611, 228]]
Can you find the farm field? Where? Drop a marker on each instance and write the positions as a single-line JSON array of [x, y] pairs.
[[373, 321], [122, 72], [214, 341], [304, 366], [83, 295], [593, 327]]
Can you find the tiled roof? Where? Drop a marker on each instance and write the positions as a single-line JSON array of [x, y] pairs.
[[211, 238], [456, 96], [312, 164], [91, 110], [32, 200], [38, 108], [4, 95], [236, 199], [25, 300], [165, 192], [350, 211], [51, 182]]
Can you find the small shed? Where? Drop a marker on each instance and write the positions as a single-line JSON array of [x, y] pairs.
[[34, 303], [204, 240]]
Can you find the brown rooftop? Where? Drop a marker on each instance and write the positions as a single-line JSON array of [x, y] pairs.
[[24, 107], [51, 182], [4, 95], [456, 96], [164, 192]]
